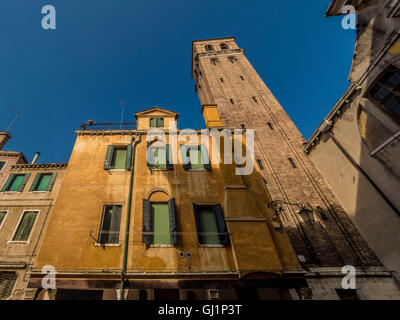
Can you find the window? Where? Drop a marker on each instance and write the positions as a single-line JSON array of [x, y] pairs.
[[2, 165], [209, 47], [195, 157], [292, 162], [110, 224], [2, 217], [43, 182], [15, 182], [25, 226], [160, 157], [159, 222], [386, 92], [157, 123], [211, 226], [224, 46], [7, 282], [118, 157], [349, 294]]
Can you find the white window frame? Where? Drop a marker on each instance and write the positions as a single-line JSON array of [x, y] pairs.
[[2, 223], [5, 165], [19, 221]]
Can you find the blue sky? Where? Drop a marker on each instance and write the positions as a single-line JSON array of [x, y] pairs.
[[140, 51]]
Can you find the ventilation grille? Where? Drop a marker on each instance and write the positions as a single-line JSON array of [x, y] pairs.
[[7, 282]]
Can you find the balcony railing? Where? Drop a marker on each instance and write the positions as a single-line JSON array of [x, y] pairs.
[[91, 125]]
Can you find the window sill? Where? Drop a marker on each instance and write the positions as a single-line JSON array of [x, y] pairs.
[[198, 170], [161, 246], [107, 244], [11, 192], [117, 170], [17, 242], [156, 169], [38, 191], [211, 246]]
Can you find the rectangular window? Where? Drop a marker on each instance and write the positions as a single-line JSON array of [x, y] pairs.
[[118, 157], [157, 122], [2, 217], [7, 283], [160, 157], [2, 165], [15, 182], [25, 226], [43, 182], [211, 226], [159, 222], [195, 157], [110, 224]]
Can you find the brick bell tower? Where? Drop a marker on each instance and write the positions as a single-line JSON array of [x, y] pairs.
[[225, 80]]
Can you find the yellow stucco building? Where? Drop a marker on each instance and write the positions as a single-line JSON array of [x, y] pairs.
[[179, 229]]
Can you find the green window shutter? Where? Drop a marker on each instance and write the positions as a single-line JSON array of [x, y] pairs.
[[16, 182], [7, 185], [129, 155], [205, 157], [52, 181], [25, 226], [115, 224], [109, 156], [172, 221], [208, 226], [162, 233], [105, 225], [170, 165], [118, 159], [147, 223], [35, 182], [197, 220], [185, 152], [222, 229], [24, 181], [153, 122]]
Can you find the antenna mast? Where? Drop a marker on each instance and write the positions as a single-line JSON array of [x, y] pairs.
[[15, 118]]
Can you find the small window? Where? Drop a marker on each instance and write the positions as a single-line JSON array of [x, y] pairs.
[[15, 182], [110, 224], [224, 46], [195, 157], [232, 101], [255, 99], [7, 283], [292, 162], [386, 92], [209, 47], [211, 226], [159, 222], [43, 182], [157, 122], [347, 294], [260, 164], [2, 217], [25, 226], [2, 165], [160, 157], [118, 157], [270, 125]]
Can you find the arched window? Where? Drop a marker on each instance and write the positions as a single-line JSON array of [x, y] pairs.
[[209, 47], [386, 92], [224, 46]]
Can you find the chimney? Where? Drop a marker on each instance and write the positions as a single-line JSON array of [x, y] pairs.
[[37, 154], [4, 137]]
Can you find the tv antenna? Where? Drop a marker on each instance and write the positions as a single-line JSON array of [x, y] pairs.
[[17, 114], [122, 103]]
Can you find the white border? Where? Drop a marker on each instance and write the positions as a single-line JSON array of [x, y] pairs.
[[19, 221], [2, 223]]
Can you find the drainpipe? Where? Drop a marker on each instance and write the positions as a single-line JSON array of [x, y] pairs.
[[128, 216]]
